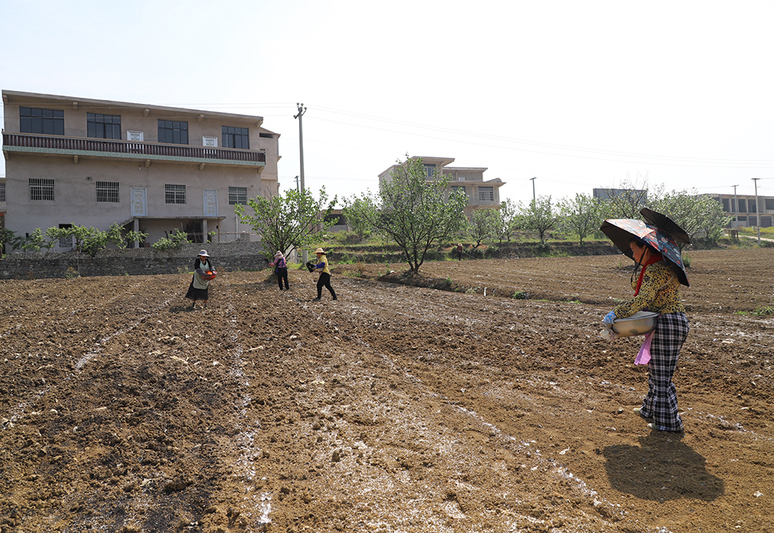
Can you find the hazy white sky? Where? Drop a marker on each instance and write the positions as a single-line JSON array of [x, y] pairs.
[[576, 94]]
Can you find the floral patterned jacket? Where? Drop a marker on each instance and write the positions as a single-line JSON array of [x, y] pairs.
[[659, 293]]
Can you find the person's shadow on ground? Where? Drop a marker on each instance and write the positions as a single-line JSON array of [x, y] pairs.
[[661, 468]]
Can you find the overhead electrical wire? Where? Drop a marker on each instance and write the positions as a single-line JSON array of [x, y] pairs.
[[552, 148]]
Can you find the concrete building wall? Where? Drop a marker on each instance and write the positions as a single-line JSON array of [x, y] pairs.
[[746, 211], [75, 194]]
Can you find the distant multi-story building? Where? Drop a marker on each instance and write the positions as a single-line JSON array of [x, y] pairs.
[[79, 161], [470, 180], [745, 211], [640, 196]]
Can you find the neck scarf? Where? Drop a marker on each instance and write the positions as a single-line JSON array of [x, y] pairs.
[[655, 257]]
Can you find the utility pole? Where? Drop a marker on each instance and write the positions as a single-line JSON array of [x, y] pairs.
[[736, 204], [534, 199], [757, 211], [301, 111]]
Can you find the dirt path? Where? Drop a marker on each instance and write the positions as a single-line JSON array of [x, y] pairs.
[[393, 409]]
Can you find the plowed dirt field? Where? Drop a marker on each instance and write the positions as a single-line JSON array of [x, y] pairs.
[[394, 409]]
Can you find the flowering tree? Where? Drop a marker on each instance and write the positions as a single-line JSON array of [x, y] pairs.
[[414, 211], [584, 214], [539, 217]]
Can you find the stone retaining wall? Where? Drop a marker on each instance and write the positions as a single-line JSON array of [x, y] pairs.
[[231, 256]]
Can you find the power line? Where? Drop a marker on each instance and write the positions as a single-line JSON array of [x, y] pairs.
[[468, 134], [619, 156]]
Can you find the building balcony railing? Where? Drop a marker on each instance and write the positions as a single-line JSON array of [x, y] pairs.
[[56, 144]]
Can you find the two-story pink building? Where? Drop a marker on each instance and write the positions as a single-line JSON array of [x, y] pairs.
[[86, 162]]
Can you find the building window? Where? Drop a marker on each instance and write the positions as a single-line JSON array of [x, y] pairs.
[[751, 207], [726, 205], [429, 170], [235, 138], [103, 126], [107, 191], [237, 195], [741, 205], [173, 131], [46, 121], [41, 189], [2, 191], [266, 135], [174, 194], [769, 204], [486, 194]]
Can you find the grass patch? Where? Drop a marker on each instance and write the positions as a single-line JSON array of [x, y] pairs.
[[758, 311]]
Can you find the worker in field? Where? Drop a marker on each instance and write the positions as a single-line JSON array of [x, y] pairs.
[[325, 275]]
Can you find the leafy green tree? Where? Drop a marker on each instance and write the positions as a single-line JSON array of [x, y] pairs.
[[415, 212], [483, 225], [583, 214], [54, 235], [539, 217], [507, 222], [10, 238], [630, 196], [116, 236], [92, 240], [694, 213], [714, 220], [359, 214], [135, 236], [289, 222], [87, 239], [34, 242], [175, 240]]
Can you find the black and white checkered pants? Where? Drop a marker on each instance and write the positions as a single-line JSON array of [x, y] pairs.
[[661, 401]]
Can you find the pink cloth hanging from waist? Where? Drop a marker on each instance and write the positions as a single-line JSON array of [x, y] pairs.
[[644, 354]]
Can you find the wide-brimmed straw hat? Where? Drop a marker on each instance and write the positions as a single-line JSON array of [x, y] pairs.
[[319, 251], [278, 255], [203, 253], [659, 232]]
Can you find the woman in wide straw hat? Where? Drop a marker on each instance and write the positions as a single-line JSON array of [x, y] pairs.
[[281, 269], [200, 283], [325, 275], [652, 244]]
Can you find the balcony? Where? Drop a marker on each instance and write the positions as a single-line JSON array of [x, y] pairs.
[[114, 149]]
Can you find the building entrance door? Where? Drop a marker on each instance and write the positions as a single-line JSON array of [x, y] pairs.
[[139, 201], [210, 203]]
